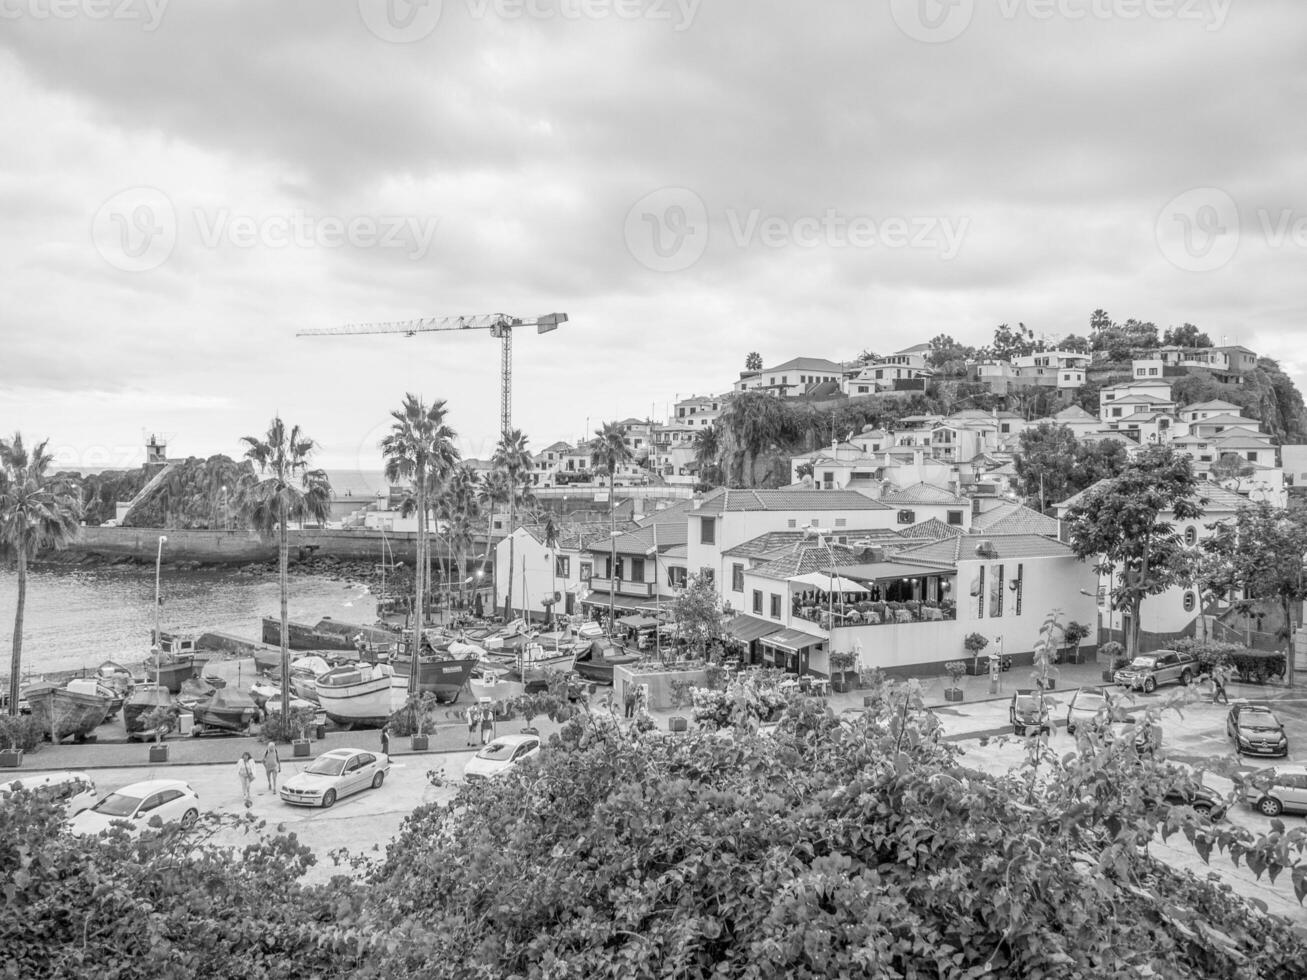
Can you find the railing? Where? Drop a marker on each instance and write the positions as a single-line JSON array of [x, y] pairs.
[[853, 617], [641, 590]]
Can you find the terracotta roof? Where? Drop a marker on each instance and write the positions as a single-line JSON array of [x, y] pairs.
[[1014, 518], [805, 560], [1212, 406], [924, 493], [774, 543], [932, 530], [806, 364], [1224, 420], [1213, 497], [1009, 546], [1075, 412], [572, 536], [738, 501]]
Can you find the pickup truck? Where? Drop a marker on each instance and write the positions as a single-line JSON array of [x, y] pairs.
[[1148, 670]]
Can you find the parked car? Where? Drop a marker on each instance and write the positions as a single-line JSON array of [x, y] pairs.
[[500, 756], [1029, 713], [1088, 706], [136, 807], [1186, 789], [1279, 790], [74, 790], [1256, 730], [1149, 670], [334, 774]]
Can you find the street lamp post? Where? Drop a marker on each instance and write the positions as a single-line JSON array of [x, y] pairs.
[[613, 535], [158, 637], [225, 517]]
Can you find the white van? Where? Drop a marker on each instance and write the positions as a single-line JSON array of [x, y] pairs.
[[75, 790]]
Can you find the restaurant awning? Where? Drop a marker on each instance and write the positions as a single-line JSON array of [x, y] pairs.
[[827, 583], [636, 622], [792, 640], [624, 603], [747, 628], [884, 570]]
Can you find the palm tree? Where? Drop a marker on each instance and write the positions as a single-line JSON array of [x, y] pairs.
[[420, 444], [288, 490], [493, 490], [37, 511], [607, 453], [461, 509], [551, 531], [707, 443], [512, 458]]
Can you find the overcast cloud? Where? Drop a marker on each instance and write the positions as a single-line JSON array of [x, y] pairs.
[[184, 186]]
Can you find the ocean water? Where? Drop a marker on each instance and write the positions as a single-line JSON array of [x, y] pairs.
[[80, 617]]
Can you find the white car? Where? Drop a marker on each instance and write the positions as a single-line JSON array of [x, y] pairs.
[[500, 756], [137, 805], [334, 774], [75, 790]]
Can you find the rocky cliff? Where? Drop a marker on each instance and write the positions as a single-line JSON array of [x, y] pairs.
[[190, 495]]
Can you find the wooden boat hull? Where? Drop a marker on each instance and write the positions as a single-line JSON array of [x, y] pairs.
[[170, 674], [227, 710], [360, 694], [140, 702], [597, 663], [444, 678], [67, 712]]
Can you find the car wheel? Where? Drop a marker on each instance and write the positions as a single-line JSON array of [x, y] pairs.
[[1186, 677], [1205, 809], [1150, 685], [378, 779], [1270, 806], [189, 818], [1070, 729], [328, 799]]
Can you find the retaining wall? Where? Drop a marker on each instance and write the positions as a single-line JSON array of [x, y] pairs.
[[239, 547]]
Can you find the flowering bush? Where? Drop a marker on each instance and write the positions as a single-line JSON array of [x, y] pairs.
[[754, 696], [956, 668]]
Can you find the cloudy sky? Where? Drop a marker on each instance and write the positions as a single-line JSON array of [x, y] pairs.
[[183, 187]]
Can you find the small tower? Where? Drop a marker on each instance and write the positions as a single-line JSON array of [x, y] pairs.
[[156, 452]]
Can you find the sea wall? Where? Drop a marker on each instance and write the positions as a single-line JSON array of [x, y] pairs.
[[240, 547]]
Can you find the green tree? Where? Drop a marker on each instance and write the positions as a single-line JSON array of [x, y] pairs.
[[753, 362], [460, 507], [947, 355], [698, 612], [1010, 342], [514, 461], [37, 512], [494, 491], [1261, 553], [608, 452], [1185, 336], [287, 490], [757, 422], [1125, 525], [419, 450], [1052, 464], [1074, 343], [707, 446]]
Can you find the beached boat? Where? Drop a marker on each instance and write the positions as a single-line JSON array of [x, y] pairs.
[[360, 694], [445, 678], [261, 692], [140, 702], [171, 673], [597, 663], [267, 661], [114, 675], [90, 685], [534, 660], [226, 710], [195, 689], [66, 712]]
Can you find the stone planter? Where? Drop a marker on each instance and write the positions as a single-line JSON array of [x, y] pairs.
[[977, 667], [300, 748], [158, 753], [1109, 676], [11, 759], [419, 743], [952, 694], [677, 723]]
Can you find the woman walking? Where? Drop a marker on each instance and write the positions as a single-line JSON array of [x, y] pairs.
[[245, 773], [473, 716], [271, 764]]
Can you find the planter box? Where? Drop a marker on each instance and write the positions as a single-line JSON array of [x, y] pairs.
[[869, 700], [158, 753], [676, 723], [1109, 676], [300, 748], [320, 732], [840, 686], [11, 760], [977, 668], [419, 743], [951, 695]]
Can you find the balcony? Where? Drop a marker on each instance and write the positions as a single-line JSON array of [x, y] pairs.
[[879, 612], [639, 590]]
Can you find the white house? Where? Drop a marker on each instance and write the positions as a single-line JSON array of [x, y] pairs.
[[1129, 397], [650, 569], [797, 376], [922, 501], [538, 572]]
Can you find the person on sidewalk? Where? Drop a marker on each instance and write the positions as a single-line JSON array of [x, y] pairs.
[[245, 773], [385, 740], [473, 716], [487, 723], [1220, 677], [271, 764], [628, 699]]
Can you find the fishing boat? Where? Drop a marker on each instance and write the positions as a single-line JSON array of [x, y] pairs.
[[225, 710], [195, 690], [140, 702], [267, 660], [90, 685], [360, 694], [597, 663], [445, 677], [170, 672], [534, 660], [64, 712], [304, 674], [261, 692], [114, 675]]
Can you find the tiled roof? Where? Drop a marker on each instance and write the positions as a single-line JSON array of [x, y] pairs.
[[1212, 406], [734, 501], [808, 559], [557, 447], [1074, 412], [806, 364], [572, 536], [1224, 420], [931, 530], [1140, 399], [774, 543], [1137, 384], [639, 540], [1014, 518], [1213, 497], [1009, 546], [1222, 441], [924, 493]]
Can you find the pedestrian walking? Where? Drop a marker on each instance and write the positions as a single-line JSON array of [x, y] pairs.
[[628, 699], [385, 740], [487, 723], [271, 764], [245, 773], [1220, 676], [473, 716]]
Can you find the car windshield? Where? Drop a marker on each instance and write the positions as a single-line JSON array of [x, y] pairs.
[[1088, 701], [1259, 722], [1026, 703], [497, 751], [327, 766], [117, 805], [1147, 662]]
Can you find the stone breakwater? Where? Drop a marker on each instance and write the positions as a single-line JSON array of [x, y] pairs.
[[326, 566]]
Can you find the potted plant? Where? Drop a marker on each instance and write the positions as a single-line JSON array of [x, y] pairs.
[[956, 669], [841, 661], [159, 720], [1111, 656], [973, 644], [1072, 634], [300, 719], [18, 734]]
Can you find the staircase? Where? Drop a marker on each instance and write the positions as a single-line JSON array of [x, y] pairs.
[[146, 492]]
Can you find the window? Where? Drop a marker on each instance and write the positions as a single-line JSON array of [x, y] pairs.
[[828, 479], [978, 590], [1152, 372], [1005, 427], [1191, 535], [775, 606], [707, 530], [1252, 456], [841, 522], [737, 578], [1189, 602], [996, 593], [793, 523], [955, 518], [637, 569], [1116, 413], [562, 566], [676, 577], [907, 517], [757, 601], [587, 571]]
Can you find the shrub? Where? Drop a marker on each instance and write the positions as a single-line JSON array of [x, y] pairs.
[[956, 668], [1112, 654], [1209, 652], [283, 728], [418, 715], [1258, 666], [975, 642], [21, 733]]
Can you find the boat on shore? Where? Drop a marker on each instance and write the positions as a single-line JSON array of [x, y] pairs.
[[226, 710], [360, 694], [65, 712], [90, 685], [597, 663], [534, 660], [140, 702], [170, 673]]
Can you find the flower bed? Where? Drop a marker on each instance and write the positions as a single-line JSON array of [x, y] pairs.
[[756, 694], [659, 679]]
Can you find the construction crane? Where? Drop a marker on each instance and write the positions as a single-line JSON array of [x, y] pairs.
[[499, 324]]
